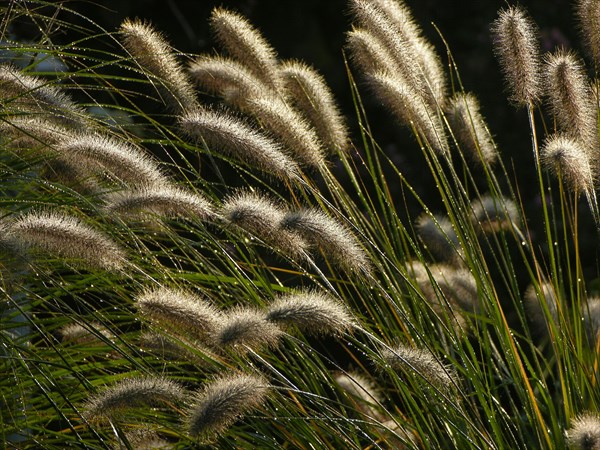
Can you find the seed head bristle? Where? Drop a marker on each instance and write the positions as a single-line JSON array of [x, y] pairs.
[[68, 237], [362, 393], [234, 137], [494, 213], [334, 240], [180, 311], [536, 312], [439, 237], [410, 108], [246, 329], [584, 433], [368, 53], [222, 402], [227, 78], [287, 126], [567, 158], [133, 393], [590, 311], [76, 333], [312, 312], [309, 93], [263, 218], [246, 44], [122, 160], [35, 95], [588, 16], [517, 48], [156, 57], [468, 126], [160, 200], [421, 365], [571, 99]]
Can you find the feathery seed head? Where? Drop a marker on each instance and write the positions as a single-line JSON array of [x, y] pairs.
[[334, 240], [263, 218], [222, 402], [448, 290], [419, 364], [571, 98], [588, 15], [75, 333], [533, 304], [31, 134], [439, 237], [410, 108], [568, 159], [493, 213], [309, 92], [362, 393], [119, 158], [180, 311], [468, 126], [584, 433], [160, 200], [517, 48], [246, 329], [245, 43], [591, 318], [288, 127], [395, 37], [228, 78], [312, 312], [234, 137], [132, 393], [67, 237], [155, 56], [34, 94], [368, 53]]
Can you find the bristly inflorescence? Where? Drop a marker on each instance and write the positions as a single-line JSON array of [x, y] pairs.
[[517, 48]]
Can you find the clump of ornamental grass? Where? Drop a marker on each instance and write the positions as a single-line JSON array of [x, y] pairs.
[[310, 311], [584, 433], [245, 329], [222, 402], [234, 137], [134, 392], [335, 241], [157, 59], [160, 201], [180, 311], [517, 48], [67, 237]]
